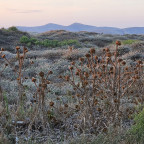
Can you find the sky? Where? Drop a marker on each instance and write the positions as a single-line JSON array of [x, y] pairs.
[[113, 13]]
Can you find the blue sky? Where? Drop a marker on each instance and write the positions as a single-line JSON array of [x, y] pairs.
[[117, 13]]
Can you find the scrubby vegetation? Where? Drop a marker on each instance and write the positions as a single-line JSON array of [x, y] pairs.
[[92, 100], [13, 28], [47, 43], [136, 132], [130, 41]]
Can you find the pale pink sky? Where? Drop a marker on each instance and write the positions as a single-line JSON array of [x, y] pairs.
[[118, 13]]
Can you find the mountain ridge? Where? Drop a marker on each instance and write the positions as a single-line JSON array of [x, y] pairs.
[[76, 27]]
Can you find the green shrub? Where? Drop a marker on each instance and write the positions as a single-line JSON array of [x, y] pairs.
[[128, 42], [48, 43], [24, 39], [137, 131], [13, 28], [69, 42]]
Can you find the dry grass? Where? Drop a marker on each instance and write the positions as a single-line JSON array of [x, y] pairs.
[[87, 99]]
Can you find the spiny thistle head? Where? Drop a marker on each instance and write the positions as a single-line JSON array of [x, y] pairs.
[[81, 59], [118, 43], [103, 66], [72, 63], [77, 106], [50, 72], [33, 79], [6, 64], [77, 73], [96, 58], [136, 77], [120, 60], [41, 74], [32, 62], [123, 63], [126, 68], [18, 79], [2, 49], [139, 62], [71, 68], [78, 95], [60, 76], [111, 68], [58, 98], [65, 112], [66, 105], [87, 55], [25, 49], [17, 48], [51, 103], [92, 51], [48, 82]]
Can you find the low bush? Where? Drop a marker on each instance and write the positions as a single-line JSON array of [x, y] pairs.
[[129, 42], [13, 28], [136, 132], [47, 43]]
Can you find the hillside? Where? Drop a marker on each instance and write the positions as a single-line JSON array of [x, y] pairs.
[[9, 39]]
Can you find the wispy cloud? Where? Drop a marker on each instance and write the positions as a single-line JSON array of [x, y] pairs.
[[29, 11], [24, 11]]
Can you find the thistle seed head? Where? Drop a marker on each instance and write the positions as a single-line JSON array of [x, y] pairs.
[[41, 74], [33, 79], [17, 48], [2, 49], [87, 55], [92, 51], [81, 59], [118, 43]]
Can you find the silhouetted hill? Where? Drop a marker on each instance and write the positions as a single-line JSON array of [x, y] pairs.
[[76, 27], [134, 30]]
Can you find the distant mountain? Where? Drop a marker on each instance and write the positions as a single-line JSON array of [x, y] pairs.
[[76, 27], [134, 30]]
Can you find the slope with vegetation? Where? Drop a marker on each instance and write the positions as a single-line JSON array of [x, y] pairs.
[[71, 94]]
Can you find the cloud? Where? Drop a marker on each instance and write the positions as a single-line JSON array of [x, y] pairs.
[[29, 11], [25, 11]]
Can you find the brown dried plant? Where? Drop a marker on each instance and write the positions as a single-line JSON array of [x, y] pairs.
[[18, 73], [100, 85]]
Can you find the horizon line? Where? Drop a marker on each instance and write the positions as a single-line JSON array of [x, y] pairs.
[[72, 24]]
